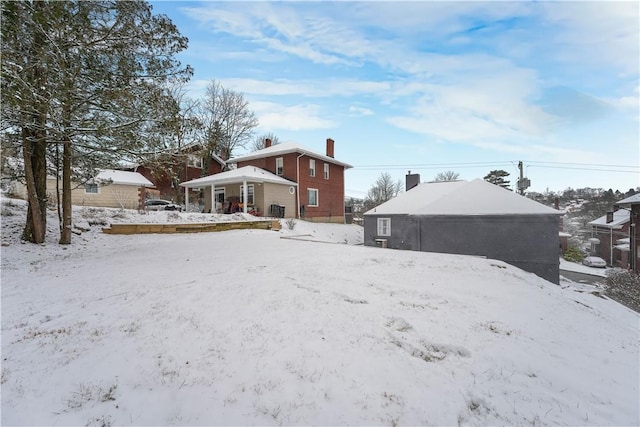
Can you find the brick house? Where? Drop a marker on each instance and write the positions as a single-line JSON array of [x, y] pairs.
[[184, 166], [631, 205], [606, 232], [320, 178]]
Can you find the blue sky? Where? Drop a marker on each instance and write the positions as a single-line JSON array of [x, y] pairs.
[[434, 86]]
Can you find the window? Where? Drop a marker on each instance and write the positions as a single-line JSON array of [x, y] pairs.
[[249, 194], [312, 195], [326, 171], [384, 226], [219, 195], [312, 167], [195, 161], [279, 166], [91, 188]]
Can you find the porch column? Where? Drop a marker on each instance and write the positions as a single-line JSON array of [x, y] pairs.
[[213, 199], [245, 195], [186, 199]]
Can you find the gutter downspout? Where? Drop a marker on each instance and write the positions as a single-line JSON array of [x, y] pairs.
[[611, 246], [298, 180]]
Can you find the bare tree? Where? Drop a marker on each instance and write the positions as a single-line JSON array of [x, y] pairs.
[[446, 176], [383, 190], [173, 136], [258, 142], [228, 123]]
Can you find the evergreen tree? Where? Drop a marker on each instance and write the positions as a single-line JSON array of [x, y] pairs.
[[497, 177], [85, 78]]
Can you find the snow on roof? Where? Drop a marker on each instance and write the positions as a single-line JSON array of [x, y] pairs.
[[620, 218], [124, 178], [476, 197], [632, 200], [286, 148], [563, 234], [246, 173]]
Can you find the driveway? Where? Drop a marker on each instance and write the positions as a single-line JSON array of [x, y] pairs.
[[577, 277]]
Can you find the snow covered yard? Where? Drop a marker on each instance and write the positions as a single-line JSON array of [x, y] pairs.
[[247, 328]]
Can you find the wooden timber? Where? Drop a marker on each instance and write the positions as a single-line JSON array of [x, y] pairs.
[[191, 227]]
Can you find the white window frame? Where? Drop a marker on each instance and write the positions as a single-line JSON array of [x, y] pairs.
[[195, 161], [384, 227], [312, 167], [250, 194], [91, 185], [326, 171], [313, 190], [279, 166]]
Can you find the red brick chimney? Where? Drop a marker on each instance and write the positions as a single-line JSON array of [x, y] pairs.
[[329, 147], [267, 143]]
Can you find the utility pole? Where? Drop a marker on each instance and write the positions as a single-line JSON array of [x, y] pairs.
[[523, 183]]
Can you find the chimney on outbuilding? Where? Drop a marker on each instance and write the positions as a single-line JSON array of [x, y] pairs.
[[329, 147], [411, 181], [267, 143]]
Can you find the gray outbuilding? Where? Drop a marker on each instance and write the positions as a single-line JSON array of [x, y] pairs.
[[469, 218]]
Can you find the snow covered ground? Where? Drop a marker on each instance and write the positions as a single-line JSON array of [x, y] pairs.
[[579, 268], [248, 328]]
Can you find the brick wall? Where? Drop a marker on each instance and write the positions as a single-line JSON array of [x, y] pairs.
[[330, 191]]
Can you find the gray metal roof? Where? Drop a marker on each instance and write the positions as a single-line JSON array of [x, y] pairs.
[[476, 197]]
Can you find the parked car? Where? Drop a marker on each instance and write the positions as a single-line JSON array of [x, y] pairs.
[[161, 205], [594, 261]]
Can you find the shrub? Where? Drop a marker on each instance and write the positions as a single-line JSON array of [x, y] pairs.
[[624, 287], [573, 254], [291, 223]]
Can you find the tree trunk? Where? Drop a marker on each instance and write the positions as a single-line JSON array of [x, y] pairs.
[[33, 149], [65, 230]]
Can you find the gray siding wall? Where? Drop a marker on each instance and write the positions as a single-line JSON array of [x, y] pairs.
[[405, 231], [529, 242]]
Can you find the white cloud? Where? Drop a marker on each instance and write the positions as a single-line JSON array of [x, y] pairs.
[[601, 34], [274, 117], [308, 88], [359, 111]]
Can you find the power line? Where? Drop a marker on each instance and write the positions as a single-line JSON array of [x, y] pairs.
[[597, 167], [586, 169]]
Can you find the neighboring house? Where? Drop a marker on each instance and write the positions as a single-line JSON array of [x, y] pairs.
[[469, 218], [109, 189], [606, 231], [184, 166], [319, 178], [631, 205], [266, 194]]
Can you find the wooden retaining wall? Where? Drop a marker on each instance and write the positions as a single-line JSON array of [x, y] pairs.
[[191, 227]]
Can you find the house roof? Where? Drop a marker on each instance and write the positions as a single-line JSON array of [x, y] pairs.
[[246, 173], [476, 197], [124, 178], [286, 148], [620, 218], [632, 200]]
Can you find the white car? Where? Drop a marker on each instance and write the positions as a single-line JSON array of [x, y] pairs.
[[161, 205], [594, 261]]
